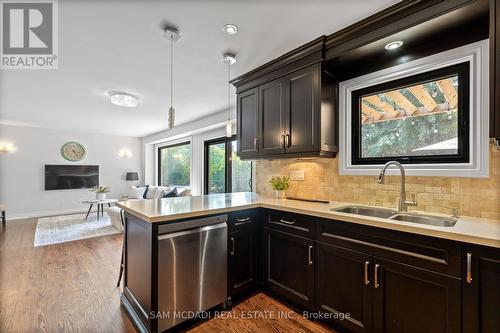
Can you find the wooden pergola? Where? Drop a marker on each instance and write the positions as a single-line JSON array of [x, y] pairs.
[[375, 108]]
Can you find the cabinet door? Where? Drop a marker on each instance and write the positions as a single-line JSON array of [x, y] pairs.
[[413, 300], [343, 285], [271, 103], [242, 260], [481, 288], [289, 270], [248, 123], [302, 110]]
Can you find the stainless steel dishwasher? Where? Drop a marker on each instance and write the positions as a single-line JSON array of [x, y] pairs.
[[192, 268]]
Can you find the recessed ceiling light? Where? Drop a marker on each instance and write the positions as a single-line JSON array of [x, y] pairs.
[[393, 45], [230, 29], [123, 99]]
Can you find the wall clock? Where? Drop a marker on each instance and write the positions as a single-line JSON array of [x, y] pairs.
[[73, 151]]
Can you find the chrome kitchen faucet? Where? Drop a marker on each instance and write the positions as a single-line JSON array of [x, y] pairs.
[[402, 203]]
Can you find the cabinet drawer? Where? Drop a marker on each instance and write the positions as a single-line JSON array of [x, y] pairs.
[[296, 224], [426, 252], [242, 219]]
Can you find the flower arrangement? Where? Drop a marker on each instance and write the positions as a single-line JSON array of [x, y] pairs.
[[280, 184], [100, 189], [100, 192]]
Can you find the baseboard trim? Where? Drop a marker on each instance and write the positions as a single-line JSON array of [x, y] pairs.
[[31, 215]]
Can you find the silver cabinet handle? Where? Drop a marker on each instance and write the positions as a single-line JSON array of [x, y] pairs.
[[283, 145], [287, 222], [288, 141], [242, 220], [367, 268], [232, 246], [255, 141], [469, 268], [375, 276], [310, 262]]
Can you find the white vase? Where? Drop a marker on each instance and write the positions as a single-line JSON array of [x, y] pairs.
[[100, 196], [279, 194]]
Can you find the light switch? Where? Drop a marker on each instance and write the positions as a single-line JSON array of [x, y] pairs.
[[297, 175]]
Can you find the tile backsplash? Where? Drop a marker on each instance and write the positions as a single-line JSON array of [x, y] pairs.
[[479, 197]]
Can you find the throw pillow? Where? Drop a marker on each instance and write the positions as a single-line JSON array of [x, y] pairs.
[[136, 192], [172, 193], [151, 192], [183, 192]]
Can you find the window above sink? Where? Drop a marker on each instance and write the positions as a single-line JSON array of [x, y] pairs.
[[418, 119], [429, 114]]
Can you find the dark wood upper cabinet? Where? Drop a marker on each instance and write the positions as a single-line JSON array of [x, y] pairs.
[[413, 300], [302, 112], [343, 285], [248, 114], [272, 117], [481, 289], [297, 106], [495, 69]]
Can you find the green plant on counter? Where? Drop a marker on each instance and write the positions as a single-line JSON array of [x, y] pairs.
[[100, 189], [280, 183]]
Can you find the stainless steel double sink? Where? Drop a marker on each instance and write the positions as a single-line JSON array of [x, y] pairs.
[[394, 215]]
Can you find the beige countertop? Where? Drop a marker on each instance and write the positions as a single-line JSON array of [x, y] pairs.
[[468, 229]]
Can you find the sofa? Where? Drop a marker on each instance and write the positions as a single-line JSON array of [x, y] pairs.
[[146, 192]]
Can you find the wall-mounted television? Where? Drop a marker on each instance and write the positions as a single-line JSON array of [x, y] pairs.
[[66, 177]]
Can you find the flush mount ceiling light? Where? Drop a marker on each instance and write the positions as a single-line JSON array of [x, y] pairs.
[[173, 35], [229, 59], [393, 45], [230, 29], [123, 99]]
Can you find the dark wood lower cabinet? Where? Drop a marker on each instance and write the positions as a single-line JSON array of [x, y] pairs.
[[242, 260], [343, 286], [481, 289], [289, 267], [362, 288], [409, 299]]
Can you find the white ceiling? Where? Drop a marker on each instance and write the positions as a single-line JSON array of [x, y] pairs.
[[119, 45]]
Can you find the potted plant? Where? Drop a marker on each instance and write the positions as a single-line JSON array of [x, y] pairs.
[[280, 185], [100, 192]]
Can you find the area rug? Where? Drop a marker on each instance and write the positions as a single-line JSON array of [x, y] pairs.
[[66, 228]]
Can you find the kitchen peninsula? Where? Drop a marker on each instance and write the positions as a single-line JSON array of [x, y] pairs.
[[289, 248]]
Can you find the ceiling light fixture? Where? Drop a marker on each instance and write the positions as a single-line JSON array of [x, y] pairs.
[[230, 29], [229, 59], [393, 45], [172, 35], [123, 99]]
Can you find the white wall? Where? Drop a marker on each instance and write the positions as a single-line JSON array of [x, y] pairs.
[[22, 172]]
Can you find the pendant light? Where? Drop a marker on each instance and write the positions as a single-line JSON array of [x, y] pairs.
[[229, 59], [173, 35]]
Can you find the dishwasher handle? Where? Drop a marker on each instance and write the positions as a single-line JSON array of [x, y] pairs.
[[192, 231]]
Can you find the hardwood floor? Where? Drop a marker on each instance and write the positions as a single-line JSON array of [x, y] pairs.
[[71, 287]]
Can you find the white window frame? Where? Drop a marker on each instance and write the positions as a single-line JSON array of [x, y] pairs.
[[477, 55]]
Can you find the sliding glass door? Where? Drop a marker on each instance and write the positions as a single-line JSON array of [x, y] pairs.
[[224, 171]]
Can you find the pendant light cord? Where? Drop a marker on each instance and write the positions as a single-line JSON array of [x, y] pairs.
[[228, 91], [171, 70]]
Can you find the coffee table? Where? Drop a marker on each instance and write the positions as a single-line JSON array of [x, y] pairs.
[[100, 206]]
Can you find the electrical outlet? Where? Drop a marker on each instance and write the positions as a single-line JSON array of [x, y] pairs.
[[297, 175]]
